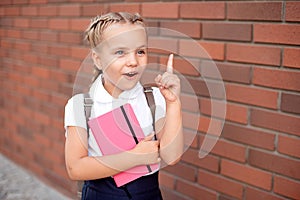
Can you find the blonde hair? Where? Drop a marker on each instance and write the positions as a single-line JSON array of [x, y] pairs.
[[93, 34]]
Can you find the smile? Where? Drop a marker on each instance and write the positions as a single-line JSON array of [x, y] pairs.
[[130, 74]]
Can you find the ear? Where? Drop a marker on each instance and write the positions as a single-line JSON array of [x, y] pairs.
[[96, 60]]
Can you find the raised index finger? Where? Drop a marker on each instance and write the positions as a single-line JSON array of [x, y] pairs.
[[170, 64]]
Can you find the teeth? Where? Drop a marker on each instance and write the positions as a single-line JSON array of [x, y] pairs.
[[131, 74]]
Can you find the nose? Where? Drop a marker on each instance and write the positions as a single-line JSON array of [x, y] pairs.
[[131, 60]]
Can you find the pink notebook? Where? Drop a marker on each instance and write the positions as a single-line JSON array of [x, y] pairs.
[[117, 131]]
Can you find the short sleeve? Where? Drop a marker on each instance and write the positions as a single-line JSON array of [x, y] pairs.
[[74, 112]]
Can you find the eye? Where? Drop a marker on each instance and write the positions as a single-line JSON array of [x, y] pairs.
[[141, 52], [120, 52]]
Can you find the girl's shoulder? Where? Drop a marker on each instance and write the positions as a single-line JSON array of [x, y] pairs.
[[75, 99]]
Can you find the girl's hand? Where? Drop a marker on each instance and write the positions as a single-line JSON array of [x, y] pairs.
[[169, 83], [147, 151]]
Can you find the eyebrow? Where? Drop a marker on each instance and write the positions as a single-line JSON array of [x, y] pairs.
[[126, 48]]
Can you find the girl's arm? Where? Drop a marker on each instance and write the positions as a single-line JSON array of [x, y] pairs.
[[170, 135], [80, 166]]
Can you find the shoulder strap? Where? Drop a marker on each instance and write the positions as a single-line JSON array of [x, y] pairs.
[[151, 103], [87, 103]]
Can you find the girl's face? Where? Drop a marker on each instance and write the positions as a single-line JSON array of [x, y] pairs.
[[122, 56]]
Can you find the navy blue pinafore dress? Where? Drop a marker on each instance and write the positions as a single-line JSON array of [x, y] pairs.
[[143, 188]]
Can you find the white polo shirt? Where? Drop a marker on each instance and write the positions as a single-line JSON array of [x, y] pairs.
[[104, 102]]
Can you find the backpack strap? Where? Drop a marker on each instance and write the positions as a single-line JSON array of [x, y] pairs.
[[151, 103], [87, 103], [148, 91]]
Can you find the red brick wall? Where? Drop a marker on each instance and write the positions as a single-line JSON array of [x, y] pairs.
[[254, 44]]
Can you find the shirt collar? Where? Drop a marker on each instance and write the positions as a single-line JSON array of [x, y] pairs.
[[99, 93]]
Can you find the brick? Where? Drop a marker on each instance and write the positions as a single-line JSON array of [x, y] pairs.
[[215, 50], [249, 136], [93, 10], [195, 191], [197, 49], [230, 150], [19, 2], [252, 96], [22, 46], [131, 8], [290, 103], [30, 58], [287, 187], [182, 170], [37, 1], [59, 24], [253, 54], [13, 33], [31, 34], [12, 11], [162, 45], [82, 1], [43, 119], [191, 29], [40, 72], [58, 76], [79, 52], [59, 50], [49, 62], [275, 121], [29, 10], [170, 194], [5, 2], [234, 112], [182, 66], [48, 10], [263, 11], [229, 72], [166, 180], [292, 13], [224, 197], [7, 22], [21, 22], [276, 78], [285, 33], [68, 64], [227, 31], [247, 174], [7, 44], [189, 103], [209, 162], [289, 145], [70, 38], [220, 184], [160, 10], [2, 11], [79, 24], [203, 10], [39, 23], [40, 47], [275, 163], [254, 193], [291, 57], [49, 36], [190, 139], [211, 126], [69, 10], [200, 88]]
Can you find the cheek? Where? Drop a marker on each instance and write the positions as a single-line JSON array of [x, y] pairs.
[[143, 61]]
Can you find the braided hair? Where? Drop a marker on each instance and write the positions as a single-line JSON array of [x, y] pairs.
[[94, 32]]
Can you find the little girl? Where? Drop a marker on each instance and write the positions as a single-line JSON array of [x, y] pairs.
[[119, 50]]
